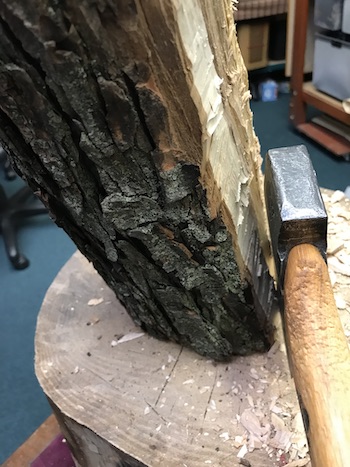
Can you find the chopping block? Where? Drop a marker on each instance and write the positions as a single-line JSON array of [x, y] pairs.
[[124, 398]]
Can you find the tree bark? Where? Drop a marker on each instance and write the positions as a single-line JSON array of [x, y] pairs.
[[131, 120]]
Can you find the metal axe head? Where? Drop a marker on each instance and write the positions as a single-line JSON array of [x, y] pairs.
[[295, 208]]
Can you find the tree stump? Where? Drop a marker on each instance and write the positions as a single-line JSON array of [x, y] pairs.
[[123, 398]]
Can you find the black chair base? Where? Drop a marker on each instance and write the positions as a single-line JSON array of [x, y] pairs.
[[11, 211]]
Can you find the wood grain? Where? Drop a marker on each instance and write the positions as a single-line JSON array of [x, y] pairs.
[[325, 103], [320, 356], [151, 401]]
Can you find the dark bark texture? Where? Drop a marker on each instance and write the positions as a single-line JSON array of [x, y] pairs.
[[113, 149]]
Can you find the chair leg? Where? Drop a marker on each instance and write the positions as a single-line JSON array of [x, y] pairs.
[[18, 260]]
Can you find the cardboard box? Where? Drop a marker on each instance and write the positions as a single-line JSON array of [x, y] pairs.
[[253, 39]]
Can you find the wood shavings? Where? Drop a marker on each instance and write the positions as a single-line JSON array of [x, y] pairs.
[[280, 440], [298, 463], [95, 301], [337, 196], [188, 381], [127, 337], [250, 400], [277, 422], [93, 321], [333, 277], [252, 424], [334, 245], [212, 404], [337, 266], [225, 436], [340, 302], [273, 349], [276, 409], [242, 452]]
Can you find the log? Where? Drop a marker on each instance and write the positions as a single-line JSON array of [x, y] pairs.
[[123, 398], [131, 121]]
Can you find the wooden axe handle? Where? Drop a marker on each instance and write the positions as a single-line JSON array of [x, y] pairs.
[[319, 355]]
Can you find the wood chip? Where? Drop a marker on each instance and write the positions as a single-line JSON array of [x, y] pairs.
[[243, 451], [334, 245], [250, 400], [277, 422], [298, 463], [273, 349], [338, 266], [188, 381], [252, 424], [280, 440], [128, 337], [337, 196], [340, 302], [225, 436], [95, 301]]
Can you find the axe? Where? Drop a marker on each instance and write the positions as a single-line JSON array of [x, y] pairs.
[[317, 348]]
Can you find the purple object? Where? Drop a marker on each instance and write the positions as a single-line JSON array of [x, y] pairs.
[[57, 454]]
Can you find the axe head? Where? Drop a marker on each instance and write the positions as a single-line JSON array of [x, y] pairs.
[[295, 208]]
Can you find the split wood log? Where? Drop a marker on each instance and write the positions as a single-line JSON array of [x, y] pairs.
[[125, 399], [131, 121]]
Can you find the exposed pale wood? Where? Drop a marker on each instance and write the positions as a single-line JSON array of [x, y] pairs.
[[140, 141], [35, 444], [320, 355]]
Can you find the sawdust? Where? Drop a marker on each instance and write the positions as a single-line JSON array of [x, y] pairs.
[[271, 418]]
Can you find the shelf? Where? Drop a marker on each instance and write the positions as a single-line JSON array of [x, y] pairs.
[[271, 67], [304, 93], [325, 103], [336, 144]]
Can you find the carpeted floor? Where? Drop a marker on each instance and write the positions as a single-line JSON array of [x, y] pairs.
[[22, 405]]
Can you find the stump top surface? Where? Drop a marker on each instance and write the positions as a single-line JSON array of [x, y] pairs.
[[156, 401]]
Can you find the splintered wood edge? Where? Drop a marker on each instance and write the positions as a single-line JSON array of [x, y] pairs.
[[231, 163]]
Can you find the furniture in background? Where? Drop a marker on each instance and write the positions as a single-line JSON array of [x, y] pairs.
[[261, 31], [305, 94], [13, 209], [251, 9]]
